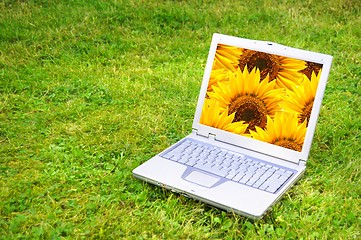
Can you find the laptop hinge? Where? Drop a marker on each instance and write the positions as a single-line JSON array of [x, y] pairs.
[[302, 162], [199, 133], [208, 135], [212, 136]]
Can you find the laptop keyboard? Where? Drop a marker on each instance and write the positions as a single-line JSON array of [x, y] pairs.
[[230, 165]]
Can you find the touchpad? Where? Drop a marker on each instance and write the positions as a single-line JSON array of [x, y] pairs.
[[202, 179]]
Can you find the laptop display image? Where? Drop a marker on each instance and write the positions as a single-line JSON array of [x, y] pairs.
[[259, 95], [252, 129]]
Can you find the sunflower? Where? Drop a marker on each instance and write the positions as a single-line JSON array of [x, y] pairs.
[[311, 67], [250, 99], [226, 57], [213, 116], [284, 130], [285, 71], [300, 100], [218, 75]]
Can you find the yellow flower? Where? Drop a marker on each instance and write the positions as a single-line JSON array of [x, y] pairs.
[[284, 130], [213, 116], [285, 71], [218, 75], [226, 57], [300, 100], [250, 99]]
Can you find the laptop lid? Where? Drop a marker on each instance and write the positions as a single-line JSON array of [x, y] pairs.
[[262, 96]]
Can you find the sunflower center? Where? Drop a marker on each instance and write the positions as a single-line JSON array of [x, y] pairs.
[[266, 63], [311, 67], [306, 113], [249, 109], [289, 144]]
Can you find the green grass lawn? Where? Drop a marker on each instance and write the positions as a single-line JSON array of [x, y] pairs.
[[91, 89]]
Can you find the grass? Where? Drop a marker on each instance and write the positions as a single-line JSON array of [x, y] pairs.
[[91, 89]]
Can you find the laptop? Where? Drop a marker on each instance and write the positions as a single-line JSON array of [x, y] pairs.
[[252, 129]]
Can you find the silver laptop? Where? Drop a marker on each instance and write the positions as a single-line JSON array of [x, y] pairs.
[[252, 130]]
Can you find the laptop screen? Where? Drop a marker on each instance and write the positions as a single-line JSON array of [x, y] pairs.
[[262, 96]]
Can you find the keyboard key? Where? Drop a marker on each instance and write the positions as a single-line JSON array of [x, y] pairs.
[[288, 173], [252, 169], [273, 187], [264, 177], [238, 177], [243, 167], [192, 161], [223, 172], [246, 178], [176, 158], [222, 153], [257, 184], [263, 187], [226, 164], [168, 155], [255, 178], [231, 174], [235, 165]]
